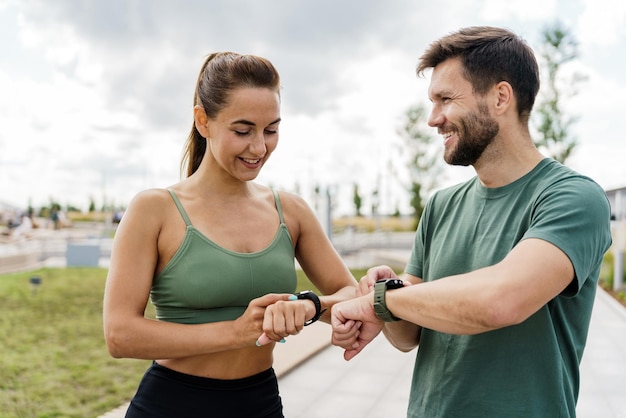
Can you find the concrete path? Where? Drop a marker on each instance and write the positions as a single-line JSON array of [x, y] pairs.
[[603, 368]]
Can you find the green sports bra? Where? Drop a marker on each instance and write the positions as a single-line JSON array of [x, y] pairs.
[[204, 282]]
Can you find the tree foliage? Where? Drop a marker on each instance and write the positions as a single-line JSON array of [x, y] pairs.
[[356, 198], [424, 159], [558, 48]]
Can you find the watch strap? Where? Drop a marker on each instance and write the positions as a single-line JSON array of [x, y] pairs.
[[307, 294], [380, 306]]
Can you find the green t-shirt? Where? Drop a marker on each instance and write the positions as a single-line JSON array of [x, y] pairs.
[[530, 369]]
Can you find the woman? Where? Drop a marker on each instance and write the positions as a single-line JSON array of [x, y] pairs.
[[215, 252]]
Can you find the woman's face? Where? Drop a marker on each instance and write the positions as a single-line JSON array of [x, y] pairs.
[[245, 133]]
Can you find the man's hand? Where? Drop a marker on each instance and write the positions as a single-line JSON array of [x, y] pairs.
[[366, 284], [355, 325]]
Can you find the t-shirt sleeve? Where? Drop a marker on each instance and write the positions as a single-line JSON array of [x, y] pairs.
[[574, 215]]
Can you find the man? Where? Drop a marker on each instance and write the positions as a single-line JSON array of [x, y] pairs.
[[500, 284]]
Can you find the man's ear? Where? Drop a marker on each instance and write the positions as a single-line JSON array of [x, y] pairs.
[[504, 97], [202, 121]]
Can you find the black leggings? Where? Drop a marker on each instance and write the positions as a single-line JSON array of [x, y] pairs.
[[170, 394]]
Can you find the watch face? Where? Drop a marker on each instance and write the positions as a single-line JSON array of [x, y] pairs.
[[392, 283]]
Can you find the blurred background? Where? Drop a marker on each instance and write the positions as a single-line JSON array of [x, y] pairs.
[[96, 97]]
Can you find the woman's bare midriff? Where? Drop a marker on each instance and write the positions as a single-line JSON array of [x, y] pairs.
[[233, 364]]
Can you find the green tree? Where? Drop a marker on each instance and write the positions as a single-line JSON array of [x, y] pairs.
[[356, 198], [424, 159], [416, 200], [558, 48], [375, 203], [71, 208]]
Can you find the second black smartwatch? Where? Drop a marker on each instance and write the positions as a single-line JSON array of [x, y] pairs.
[[307, 294]]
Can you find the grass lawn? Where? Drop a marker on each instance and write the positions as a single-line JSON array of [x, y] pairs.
[[54, 361]]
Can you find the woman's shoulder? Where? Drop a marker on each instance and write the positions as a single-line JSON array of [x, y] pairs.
[[150, 202], [291, 200], [297, 213], [147, 211], [150, 197]]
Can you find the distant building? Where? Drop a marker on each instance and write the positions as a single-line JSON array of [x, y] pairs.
[[617, 198]]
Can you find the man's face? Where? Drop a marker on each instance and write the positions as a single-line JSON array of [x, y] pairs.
[[459, 115]]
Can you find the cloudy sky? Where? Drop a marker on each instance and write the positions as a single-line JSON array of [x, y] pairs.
[[96, 96]]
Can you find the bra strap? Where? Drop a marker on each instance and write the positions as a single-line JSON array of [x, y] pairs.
[[180, 207], [278, 206]]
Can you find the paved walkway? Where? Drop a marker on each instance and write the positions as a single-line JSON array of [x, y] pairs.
[[603, 368]]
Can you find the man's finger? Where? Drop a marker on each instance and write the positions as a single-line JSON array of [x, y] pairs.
[[351, 353]]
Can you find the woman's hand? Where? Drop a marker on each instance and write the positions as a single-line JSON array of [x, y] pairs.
[[251, 324], [284, 318]]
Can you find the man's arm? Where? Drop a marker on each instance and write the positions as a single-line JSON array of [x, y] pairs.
[[504, 294], [403, 335]]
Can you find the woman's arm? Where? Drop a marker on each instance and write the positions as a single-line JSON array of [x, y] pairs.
[[320, 262], [319, 259]]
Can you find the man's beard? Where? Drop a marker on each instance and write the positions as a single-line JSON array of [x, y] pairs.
[[477, 131]]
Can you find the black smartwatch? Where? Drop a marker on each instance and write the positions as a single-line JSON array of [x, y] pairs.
[[307, 294], [380, 307]]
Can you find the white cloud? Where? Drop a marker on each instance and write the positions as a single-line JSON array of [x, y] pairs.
[[602, 23], [601, 151], [497, 10]]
